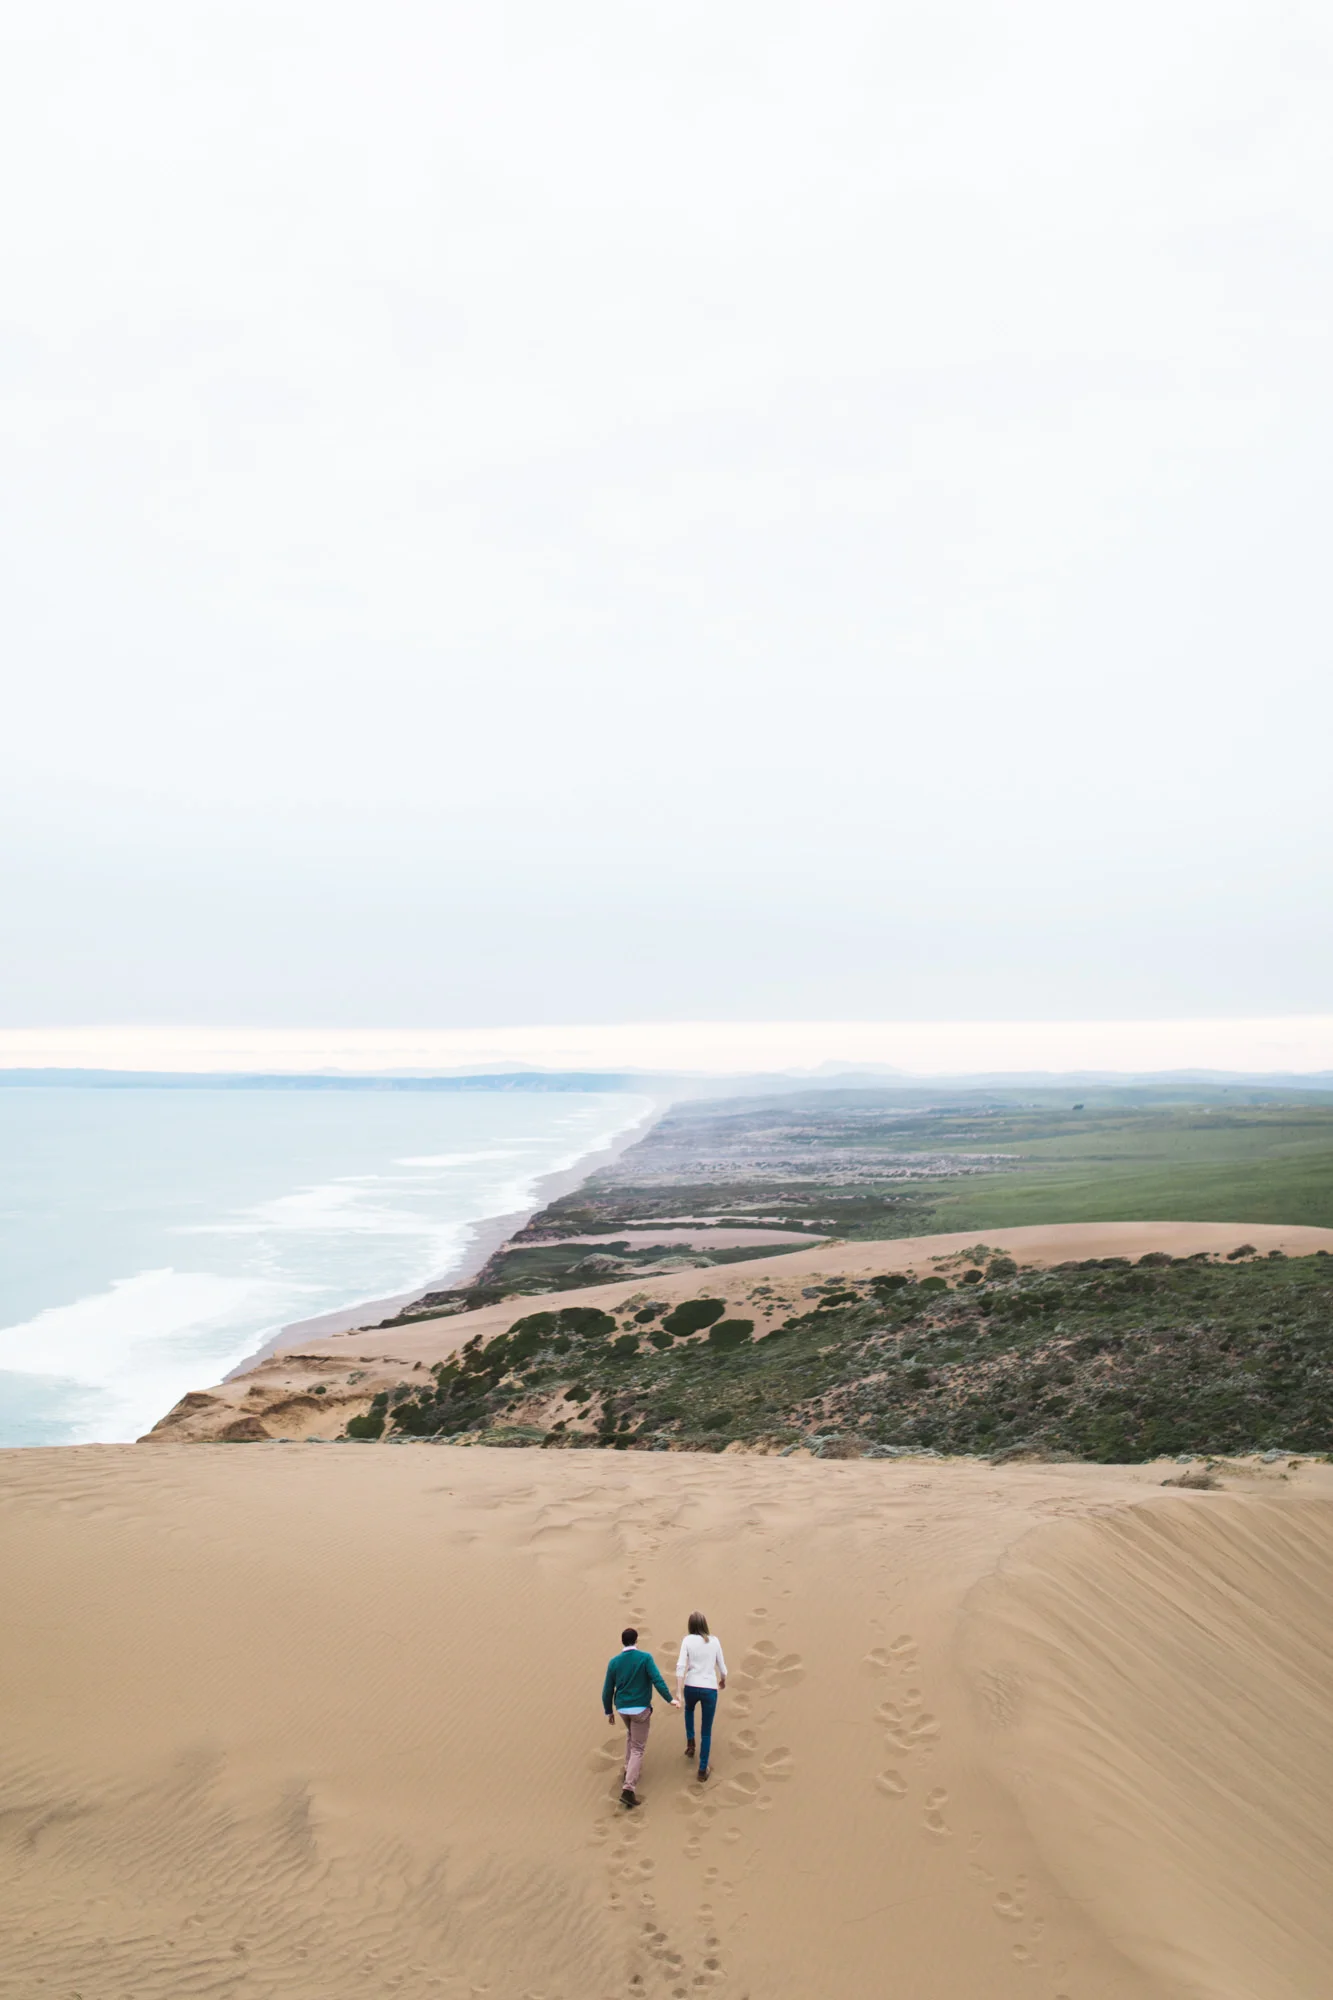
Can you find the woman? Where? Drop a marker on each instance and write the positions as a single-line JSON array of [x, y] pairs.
[[701, 1670]]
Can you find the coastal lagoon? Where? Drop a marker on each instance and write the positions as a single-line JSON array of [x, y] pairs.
[[151, 1238]]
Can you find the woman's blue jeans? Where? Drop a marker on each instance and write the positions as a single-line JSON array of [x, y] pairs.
[[707, 1700]]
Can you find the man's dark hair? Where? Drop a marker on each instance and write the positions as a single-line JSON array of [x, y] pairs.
[[629, 1636]]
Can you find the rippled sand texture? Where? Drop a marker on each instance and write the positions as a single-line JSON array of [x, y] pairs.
[[278, 1721]]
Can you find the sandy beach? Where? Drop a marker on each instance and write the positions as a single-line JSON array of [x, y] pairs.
[[313, 1723]]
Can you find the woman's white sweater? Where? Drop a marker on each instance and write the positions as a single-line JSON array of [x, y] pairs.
[[700, 1661]]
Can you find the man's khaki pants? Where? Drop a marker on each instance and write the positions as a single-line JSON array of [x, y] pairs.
[[636, 1742]]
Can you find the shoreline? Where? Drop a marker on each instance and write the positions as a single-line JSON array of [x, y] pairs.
[[485, 1237]]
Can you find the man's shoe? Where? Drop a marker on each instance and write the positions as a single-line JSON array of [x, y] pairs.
[[703, 1774], [628, 1798], [689, 1749]]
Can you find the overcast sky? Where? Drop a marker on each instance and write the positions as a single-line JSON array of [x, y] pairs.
[[524, 513]]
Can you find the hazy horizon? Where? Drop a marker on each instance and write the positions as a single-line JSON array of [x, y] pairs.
[[728, 515], [922, 1049]]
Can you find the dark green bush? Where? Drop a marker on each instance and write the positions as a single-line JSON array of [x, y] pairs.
[[1000, 1268], [730, 1333], [659, 1338], [372, 1424], [933, 1285], [417, 1419], [624, 1346], [365, 1427], [716, 1420], [543, 1325], [586, 1322], [694, 1314], [525, 1340]]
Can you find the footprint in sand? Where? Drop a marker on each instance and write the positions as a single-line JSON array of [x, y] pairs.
[[934, 1813], [744, 1743], [877, 1661], [777, 1764], [768, 1670], [742, 1790], [893, 1783], [922, 1732]]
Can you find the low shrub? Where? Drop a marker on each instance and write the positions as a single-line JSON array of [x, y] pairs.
[[543, 1325], [692, 1315], [730, 1333], [371, 1425], [586, 1322]]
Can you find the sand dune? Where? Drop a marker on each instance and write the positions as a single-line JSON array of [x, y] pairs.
[[292, 1722], [1157, 1686], [309, 1387]]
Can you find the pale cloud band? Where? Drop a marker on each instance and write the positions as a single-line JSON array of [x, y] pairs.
[[1293, 1044]]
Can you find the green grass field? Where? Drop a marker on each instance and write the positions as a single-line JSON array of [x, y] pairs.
[[871, 1163], [1190, 1163]]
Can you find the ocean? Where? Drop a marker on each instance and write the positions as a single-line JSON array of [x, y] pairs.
[[152, 1238]]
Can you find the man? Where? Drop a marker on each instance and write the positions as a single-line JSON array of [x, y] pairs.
[[631, 1677]]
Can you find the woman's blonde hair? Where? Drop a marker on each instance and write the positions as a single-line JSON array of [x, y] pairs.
[[698, 1625]]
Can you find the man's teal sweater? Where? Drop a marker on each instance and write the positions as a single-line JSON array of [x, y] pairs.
[[630, 1679]]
